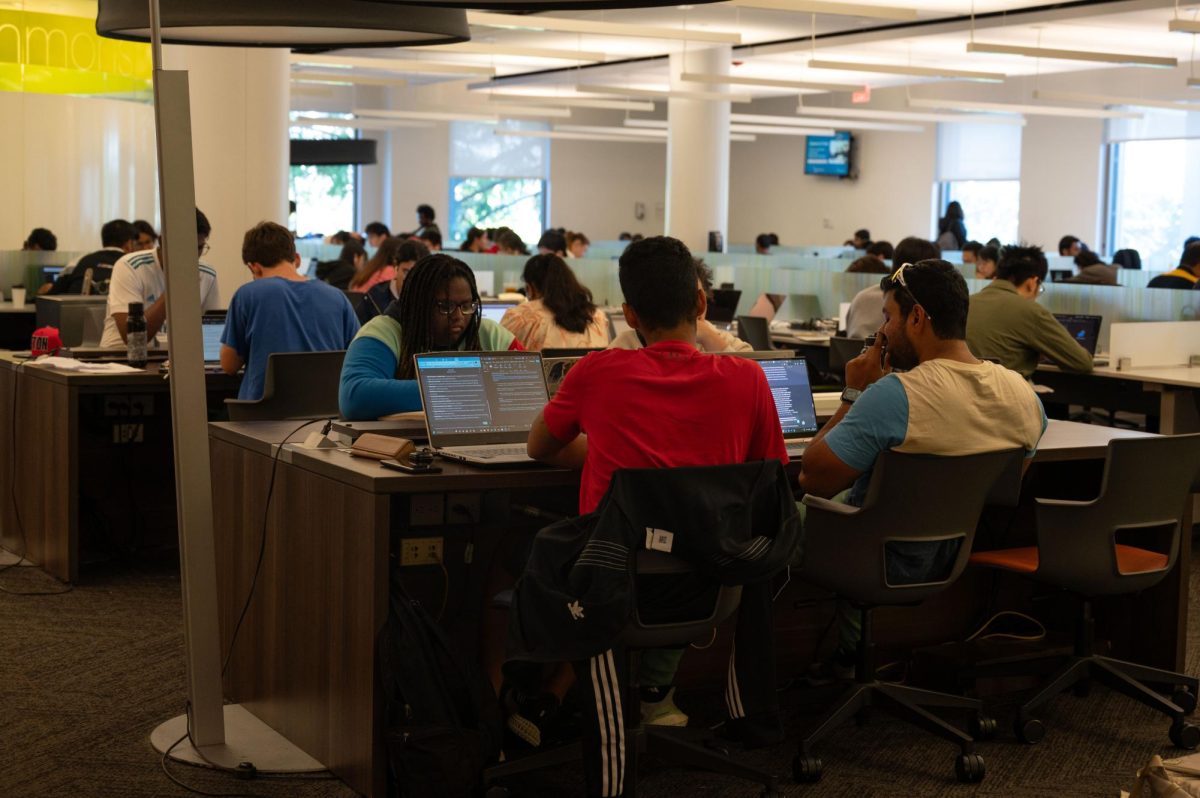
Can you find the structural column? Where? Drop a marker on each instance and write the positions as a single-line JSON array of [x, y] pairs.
[[698, 152], [239, 99]]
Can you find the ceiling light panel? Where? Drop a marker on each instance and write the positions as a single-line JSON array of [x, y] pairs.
[[1016, 108], [1106, 99], [666, 94], [400, 65], [1125, 59], [907, 69], [741, 80], [839, 9], [907, 116], [571, 25]]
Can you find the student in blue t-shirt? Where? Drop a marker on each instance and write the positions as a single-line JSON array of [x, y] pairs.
[[280, 311]]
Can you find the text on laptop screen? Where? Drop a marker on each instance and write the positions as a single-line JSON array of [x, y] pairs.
[[481, 392], [1084, 329], [212, 327], [792, 392], [496, 310]]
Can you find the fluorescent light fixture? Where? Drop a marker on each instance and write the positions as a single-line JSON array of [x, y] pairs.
[[610, 130], [573, 102], [908, 116], [776, 130], [812, 127], [1128, 59], [392, 64], [562, 134], [667, 94], [429, 116], [905, 69], [483, 48], [840, 9], [345, 79], [1184, 26], [356, 124], [508, 110], [538, 22], [734, 80], [1105, 99], [1014, 108]]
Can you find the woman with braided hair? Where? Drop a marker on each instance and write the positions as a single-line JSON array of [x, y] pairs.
[[438, 310]]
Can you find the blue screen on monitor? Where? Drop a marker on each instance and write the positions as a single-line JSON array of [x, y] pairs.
[[827, 155]]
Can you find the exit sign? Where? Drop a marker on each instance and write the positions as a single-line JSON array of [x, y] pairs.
[[863, 96]]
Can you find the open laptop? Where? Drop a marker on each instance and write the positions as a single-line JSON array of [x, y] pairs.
[[212, 325], [479, 406], [792, 392], [1085, 330], [495, 310]]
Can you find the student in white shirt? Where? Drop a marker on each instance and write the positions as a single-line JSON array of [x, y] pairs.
[[139, 277]]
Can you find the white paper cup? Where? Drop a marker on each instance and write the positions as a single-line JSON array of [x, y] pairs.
[[18, 297]]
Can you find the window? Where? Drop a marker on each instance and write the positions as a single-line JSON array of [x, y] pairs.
[[325, 196], [979, 166], [498, 181], [1149, 207]]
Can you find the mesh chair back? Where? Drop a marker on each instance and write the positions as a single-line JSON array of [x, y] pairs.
[[755, 331], [912, 498], [297, 385], [1143, 498]]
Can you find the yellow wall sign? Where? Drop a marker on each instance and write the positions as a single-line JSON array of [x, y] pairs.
[[56, 54]]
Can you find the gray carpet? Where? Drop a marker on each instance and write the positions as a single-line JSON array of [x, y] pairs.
[[85, 677]]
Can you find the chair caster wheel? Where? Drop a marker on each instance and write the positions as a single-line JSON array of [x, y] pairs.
[[806, 769], [1029, 730], [969, 768], [1184, 699], [982, 727], [1184, 734]]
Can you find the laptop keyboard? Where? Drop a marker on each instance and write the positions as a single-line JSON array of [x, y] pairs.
[[492, 452]]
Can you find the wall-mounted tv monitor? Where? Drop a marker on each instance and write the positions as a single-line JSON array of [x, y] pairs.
[[827, 155]]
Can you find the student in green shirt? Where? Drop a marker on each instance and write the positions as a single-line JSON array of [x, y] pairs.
[[1007, 324]]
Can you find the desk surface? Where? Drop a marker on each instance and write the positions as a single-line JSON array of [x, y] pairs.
[[153, 375], [29, 308], [1183, 376]]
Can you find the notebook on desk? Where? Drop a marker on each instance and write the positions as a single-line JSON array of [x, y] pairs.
[[792, 392], [480, 406]]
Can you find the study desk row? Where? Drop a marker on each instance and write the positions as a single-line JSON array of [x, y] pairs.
[[304, 661]]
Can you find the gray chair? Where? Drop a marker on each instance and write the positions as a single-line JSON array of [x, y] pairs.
[[755, 331], [297, 385], [912, 500], [1098, 548], [841, 352]]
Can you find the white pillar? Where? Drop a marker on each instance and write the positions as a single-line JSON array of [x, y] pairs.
[[240, 141], [698, 152]]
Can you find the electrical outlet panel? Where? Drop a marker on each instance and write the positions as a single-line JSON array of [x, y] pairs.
[[427, 509], [420, 551]]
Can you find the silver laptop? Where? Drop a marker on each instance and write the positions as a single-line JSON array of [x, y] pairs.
[[479, 406], [792, 392], [212, 326], [495, 309]]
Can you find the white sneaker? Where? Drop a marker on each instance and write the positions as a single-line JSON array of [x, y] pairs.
[[664, 712]]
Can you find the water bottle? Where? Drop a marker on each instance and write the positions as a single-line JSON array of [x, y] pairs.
[[135, 338]]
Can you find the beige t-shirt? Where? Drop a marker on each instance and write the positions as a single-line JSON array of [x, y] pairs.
[[534, 326]]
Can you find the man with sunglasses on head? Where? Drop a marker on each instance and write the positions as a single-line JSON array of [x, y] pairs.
[[916, 388], [866, 309], [1008, 324]]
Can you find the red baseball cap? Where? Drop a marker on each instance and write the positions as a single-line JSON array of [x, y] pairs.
[[46, 341]]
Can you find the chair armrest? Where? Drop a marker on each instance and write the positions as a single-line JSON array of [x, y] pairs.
[[1063, 503], [829, 505], [243, 401]]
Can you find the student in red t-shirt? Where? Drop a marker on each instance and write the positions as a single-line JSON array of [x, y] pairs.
[[662, 406]]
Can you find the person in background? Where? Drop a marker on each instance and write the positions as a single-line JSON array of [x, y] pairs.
[[868, 264], [774, 239], [405, 254], [1185, 276], [552, 242], [40, 240], [377, 233], [860, 240], [1189, 241], [708, 337], [477, 241], [952, 232], [986, 261], [509, 243], [425, 221], [970, 251], [380, 268], [1069, 246], [279, 310], [625, 237], [866, 309], [432, 239], [560, 313], [577, 245], [1092, 270], [440, 305], [340, 272], [140, 277], [93, 271], [1007, 323], [762, 244], [881, 250], [147, 236]]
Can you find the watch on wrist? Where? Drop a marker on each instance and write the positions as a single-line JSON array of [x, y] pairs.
[[850, 395]]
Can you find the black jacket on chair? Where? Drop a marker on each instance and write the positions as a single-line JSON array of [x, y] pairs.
[[734, 524]]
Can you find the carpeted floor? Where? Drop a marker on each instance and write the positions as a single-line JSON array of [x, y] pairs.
[[85, 677]]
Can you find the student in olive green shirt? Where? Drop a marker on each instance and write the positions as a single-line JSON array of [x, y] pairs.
[[1006, 322]]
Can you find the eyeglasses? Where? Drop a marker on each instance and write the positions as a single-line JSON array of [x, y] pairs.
[[204, 248], [898, 277], [447, 308]]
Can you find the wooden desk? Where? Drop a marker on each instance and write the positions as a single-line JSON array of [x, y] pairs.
[[304, 659], [93, 460]]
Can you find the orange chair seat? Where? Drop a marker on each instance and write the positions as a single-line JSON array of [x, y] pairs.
[[1130, 559]]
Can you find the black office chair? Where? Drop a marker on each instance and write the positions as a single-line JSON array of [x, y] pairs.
[[755, 331], [851, 551], [297, 385], [1096, 548], [841, 352]]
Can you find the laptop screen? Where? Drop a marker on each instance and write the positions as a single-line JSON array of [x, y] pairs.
[[481, 397], [1084, 329], [496, 310], [788, 378], [213, 325]]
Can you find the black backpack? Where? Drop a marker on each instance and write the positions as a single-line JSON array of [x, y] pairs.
[[442, 721]]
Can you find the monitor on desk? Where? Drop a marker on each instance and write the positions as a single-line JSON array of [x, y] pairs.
[[495, 310]]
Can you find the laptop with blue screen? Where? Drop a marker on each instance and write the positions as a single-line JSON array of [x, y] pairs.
[[480, 406]]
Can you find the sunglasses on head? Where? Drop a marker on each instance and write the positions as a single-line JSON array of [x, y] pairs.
[[898, 278]]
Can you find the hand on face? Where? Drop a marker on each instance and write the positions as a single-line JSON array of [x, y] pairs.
[[868, 367]]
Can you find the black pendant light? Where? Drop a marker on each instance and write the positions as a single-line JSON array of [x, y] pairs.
[[301, 24]]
